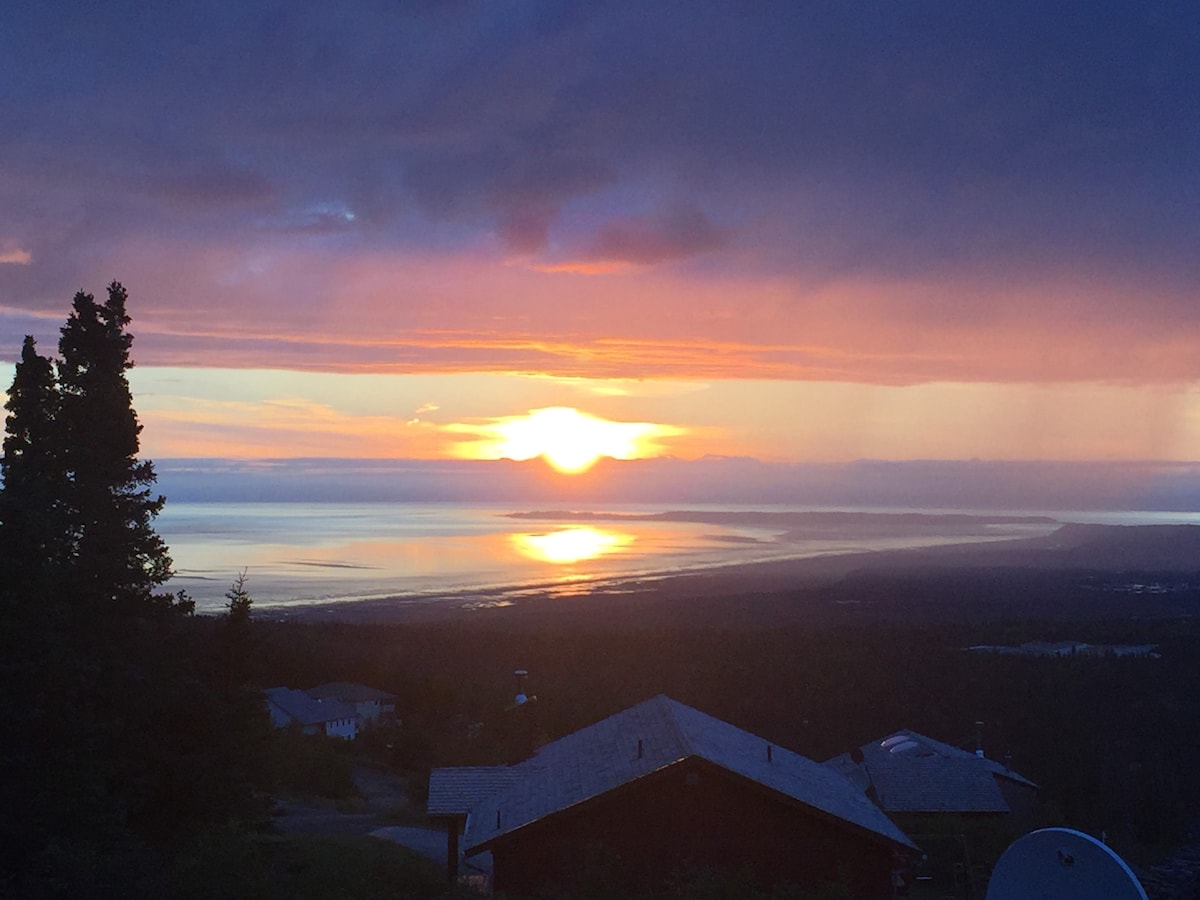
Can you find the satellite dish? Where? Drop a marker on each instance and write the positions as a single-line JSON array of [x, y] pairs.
[[1061, 864], [522, 698]]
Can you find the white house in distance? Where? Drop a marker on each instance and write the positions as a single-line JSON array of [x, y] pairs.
[[372, 704], [290, 707]]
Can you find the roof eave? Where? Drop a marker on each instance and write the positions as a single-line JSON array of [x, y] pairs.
[[875, 836], [487, 843]]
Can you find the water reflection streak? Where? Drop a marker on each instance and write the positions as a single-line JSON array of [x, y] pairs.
[[570, 545]]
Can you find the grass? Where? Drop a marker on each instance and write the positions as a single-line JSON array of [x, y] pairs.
[[306, 867]]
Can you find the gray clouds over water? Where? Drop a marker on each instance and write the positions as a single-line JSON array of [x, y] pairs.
[[966, 145]]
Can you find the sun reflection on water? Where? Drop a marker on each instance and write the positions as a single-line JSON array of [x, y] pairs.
[[570, 545]]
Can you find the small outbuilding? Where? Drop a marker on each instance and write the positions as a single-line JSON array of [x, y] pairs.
[[663, 791], [959, 805], [908, 773]]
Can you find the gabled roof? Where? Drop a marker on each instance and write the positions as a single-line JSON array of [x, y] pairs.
[[300, 707], [348, 692], [456, 791], [604, 756], [914, 773]]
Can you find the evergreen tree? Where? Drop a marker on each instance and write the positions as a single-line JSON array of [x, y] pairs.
[[238, 645], [119, 558], [33, 544], [120, 743], [239, 601]]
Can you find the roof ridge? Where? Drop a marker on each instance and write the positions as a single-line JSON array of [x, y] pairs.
[[578, 769], [685, 743]]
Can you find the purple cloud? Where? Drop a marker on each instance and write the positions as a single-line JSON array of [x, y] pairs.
[[973, 150], [647, 240]]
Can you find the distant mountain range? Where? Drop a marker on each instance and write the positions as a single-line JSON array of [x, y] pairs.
[[864, 484]]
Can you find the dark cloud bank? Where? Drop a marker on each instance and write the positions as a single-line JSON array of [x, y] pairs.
[[823, 139]]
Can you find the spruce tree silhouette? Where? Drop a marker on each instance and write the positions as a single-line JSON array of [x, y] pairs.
[[120, 743], [119, 559], [33, 529]]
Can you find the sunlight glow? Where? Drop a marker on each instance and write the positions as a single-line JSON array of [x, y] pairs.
[[569, 440], [15, 256], [570, 545]]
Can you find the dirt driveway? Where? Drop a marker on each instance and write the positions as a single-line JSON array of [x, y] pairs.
[[384, 800], [384, 803]]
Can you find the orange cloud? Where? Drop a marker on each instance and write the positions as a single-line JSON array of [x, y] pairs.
[[279, 429], [287, 308], [582, 267], [256, 414]]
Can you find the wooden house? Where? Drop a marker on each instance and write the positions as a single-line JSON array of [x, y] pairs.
[[662, 791]]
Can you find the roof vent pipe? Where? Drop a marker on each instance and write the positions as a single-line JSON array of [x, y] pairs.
[[768, 752], [639, 749], [522, 698], [979, 739]]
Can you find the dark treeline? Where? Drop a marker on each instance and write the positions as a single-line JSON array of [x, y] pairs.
[[1110, 740], [128, 728]]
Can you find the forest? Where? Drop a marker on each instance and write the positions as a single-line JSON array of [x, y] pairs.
[[1109, 739]]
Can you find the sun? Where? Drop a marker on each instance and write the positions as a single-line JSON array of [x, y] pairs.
[[569, 440]]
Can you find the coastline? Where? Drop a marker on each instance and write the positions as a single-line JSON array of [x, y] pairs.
[[320, 557], [778, 587], [669, 590], [771, 577]]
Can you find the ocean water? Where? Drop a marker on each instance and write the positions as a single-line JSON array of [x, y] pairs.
[[308, 553], [297, 554]]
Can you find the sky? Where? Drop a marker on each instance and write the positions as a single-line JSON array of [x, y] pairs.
[[798, 232]]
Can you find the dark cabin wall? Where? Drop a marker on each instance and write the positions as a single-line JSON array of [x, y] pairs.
[[1022, 802], [642, 834]]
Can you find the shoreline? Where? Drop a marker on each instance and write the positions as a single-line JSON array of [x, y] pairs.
[[784, 587], [768, 578]]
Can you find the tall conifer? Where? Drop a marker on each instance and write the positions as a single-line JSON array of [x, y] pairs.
[[33, 532], [117, 745], [118, 555]]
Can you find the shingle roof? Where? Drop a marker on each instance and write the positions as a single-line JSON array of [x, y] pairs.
[[604, 756], [457, 790], [914, 773], [302, 708], [348, 692]]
